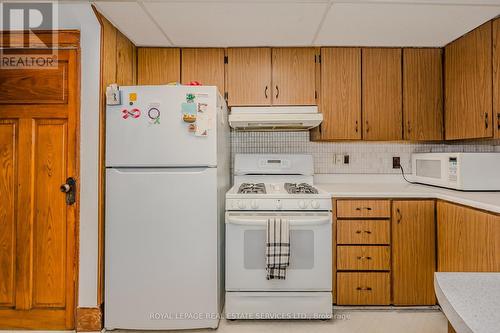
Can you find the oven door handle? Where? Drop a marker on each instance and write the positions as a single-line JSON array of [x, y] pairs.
[[261, 222]]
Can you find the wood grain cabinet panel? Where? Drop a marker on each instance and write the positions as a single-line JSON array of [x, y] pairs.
[[363, 258], [468, 239], [294, 76], [496, 78], [422, 94], [203, 65], [381, 94], [8, 184], [363, 208], [468, 85], [158, 65], [363, 288], [363, 232], [413, 252], [340, 97], [126, 54], [249, 76]]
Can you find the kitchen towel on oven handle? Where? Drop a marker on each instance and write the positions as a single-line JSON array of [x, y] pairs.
[[277, 248]]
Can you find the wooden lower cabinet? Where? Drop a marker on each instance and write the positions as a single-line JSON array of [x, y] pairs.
[[413, 252], [364, 258], [362, 288], [363, 232], [468, 239]]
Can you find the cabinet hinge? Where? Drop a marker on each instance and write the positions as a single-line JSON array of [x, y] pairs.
[[226, 60], [315, 95], [317, 58]]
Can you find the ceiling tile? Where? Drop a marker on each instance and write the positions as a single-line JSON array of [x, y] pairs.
[[396, 24], [238, 23], [133, 22]]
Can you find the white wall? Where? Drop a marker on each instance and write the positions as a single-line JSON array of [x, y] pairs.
[[79, 15]]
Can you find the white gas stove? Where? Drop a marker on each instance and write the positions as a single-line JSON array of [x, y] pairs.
[[278, 186]]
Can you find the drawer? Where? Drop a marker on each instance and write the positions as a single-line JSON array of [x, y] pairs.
[[363, 232], [363, 208], [361, 288], [359, 258]]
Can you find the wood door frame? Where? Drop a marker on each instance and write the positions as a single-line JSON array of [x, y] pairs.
[[67, 39]]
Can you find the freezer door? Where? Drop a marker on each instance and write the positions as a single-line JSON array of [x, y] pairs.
[[148, 128], [161, 248]]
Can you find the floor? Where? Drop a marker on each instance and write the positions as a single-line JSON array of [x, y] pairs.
[[345, 321]]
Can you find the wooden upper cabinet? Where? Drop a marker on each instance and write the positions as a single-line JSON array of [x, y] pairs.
[[203, 65], [158, 65], [496, 77], [422, 94], [381, 94], [340, 100], [126, 53], [413, 252], [294, 76], [468, 239], [249, 76], [468, 85]]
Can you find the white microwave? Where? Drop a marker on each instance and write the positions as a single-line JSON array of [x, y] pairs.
[[459, 171]]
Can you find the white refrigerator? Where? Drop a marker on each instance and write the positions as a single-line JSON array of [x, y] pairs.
[[167, 171]]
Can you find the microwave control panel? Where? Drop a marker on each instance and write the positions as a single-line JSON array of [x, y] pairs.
[[452, 169]]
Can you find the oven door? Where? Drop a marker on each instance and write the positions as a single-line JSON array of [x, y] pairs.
[[310, 252]]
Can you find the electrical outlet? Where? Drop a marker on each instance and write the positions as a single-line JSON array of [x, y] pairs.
[[396, 162], [346, 159]]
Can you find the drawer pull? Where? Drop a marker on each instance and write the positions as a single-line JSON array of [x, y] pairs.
[[361, 208], [365, 231], [363, 257], [364, 288], [368, 232]]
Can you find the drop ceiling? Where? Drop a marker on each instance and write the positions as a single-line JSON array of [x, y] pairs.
[[210, 23]]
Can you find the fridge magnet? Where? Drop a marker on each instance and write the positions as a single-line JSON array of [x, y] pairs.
[[154, 113], [134, 113], [192, 128], [189, 109], [202, 107], [202, 125]]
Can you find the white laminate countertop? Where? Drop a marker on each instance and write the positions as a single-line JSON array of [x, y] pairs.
[[470, 301], [389, 186]]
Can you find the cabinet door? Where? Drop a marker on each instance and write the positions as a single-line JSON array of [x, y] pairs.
[[341, 93], [293, 76], [158, 65], [496, 77], [468, 85], [413, 252], [203, 65], [422, 94], [468, 239], [249, 76], [381, 93]]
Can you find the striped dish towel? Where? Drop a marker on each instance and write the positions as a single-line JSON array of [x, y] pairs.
[[277, 248]]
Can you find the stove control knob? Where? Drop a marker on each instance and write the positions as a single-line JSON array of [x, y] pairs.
[[241, 204], [314, 204], [302, 204], [254, 204], [279, 204]]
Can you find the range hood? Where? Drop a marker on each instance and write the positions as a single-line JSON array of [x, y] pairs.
[[275, 118]]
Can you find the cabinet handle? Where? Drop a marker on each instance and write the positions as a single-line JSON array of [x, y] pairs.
[[265, 91], [498, 121], [409, 127], [360, 208], [368, 232], [363, 257], [364, 288], [358, 231], [277, 91], [356, 127], [367, 127], [486, 120], [399, 216]]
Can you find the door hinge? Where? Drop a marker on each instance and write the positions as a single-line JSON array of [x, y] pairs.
[[226, 60]]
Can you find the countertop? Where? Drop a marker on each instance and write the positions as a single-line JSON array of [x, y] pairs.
[[470, 301], [385, 186]]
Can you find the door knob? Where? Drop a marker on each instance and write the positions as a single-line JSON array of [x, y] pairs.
[[69, 188]]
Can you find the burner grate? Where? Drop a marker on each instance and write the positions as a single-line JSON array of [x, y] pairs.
[[252, 188], [302, 188]]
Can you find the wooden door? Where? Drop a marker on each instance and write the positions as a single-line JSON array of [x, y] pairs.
[[496, 78], [422, 94], [381, 94], [468, 239], [294, 76], [468, 85], [157, 65], [340, 93], [38, 151], [249, 76], [413, 252], [203, 65]]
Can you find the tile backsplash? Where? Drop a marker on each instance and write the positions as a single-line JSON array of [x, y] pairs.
[[364, 157]]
